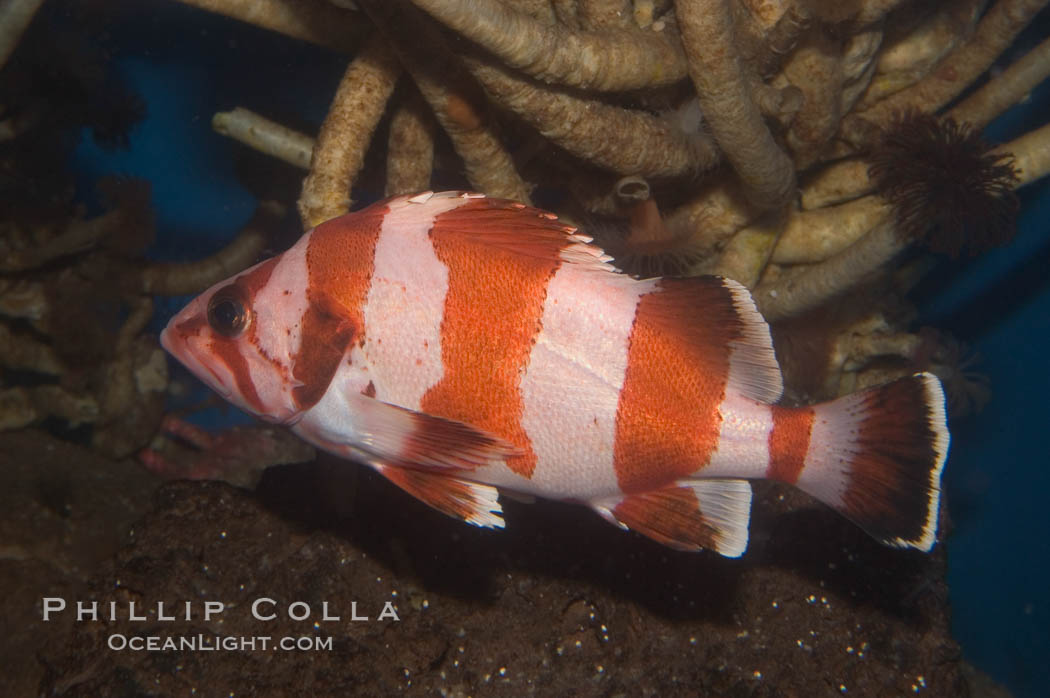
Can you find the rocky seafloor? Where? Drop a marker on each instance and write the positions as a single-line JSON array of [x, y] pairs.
[[560, 603]]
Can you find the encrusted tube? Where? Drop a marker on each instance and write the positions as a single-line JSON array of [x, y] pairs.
[[15, 16], [410, 148], [193, 277], [748, 252], [347, 131], [836, 183], [606, 14], [813, 236], [316, 21], [1031, 155], [995, 32], [800, 289], [815, 67], [607, 60], [269, 137], [1006, 89], [726, 102], [456, 101], [625, 141]]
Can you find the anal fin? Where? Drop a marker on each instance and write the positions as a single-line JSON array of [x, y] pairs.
[[461, 499], [712, 514]]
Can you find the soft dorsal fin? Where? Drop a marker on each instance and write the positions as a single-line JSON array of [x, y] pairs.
[[753, 352], [712, 311], [712, 514], [509, 226]]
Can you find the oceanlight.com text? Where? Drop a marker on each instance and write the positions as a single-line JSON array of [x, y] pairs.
[[217, 643]]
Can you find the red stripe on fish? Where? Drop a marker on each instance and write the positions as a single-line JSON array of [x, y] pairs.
[[254, 279], [789, 442], [228, 351], [325, 338], [677, 369], [339, 259], [492, 315]]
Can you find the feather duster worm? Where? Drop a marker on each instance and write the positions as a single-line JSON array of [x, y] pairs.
[[946, 186]]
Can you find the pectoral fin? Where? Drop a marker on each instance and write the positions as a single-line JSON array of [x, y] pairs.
[[397, 436], [425, 455]]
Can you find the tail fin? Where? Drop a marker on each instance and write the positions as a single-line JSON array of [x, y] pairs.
[[876, 456]]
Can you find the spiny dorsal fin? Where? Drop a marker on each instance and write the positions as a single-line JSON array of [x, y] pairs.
[[509, 226], [687, 306]]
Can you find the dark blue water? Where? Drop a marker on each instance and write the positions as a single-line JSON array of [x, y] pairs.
[[999, 472], [187, 65]]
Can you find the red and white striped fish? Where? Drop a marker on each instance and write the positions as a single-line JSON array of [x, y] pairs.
[[462, 345]]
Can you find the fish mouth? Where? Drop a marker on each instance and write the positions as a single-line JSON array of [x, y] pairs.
[[165, 340], [188, 355], [180, 349]]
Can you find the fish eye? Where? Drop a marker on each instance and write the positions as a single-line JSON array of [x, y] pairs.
[[228, 313]]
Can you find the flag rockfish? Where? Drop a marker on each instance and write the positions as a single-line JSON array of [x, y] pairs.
[[463, 346]]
